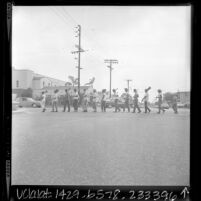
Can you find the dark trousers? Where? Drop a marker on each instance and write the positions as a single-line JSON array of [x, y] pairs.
[[54, 105], [75, 104], [174, 107], [84, 105], [126, 105], [136, 106], [103, 106], [116, 105], [67, 103], [146, 107]]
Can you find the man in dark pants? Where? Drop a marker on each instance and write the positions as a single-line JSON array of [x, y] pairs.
[[160, 97], [116, 99], [94, 100], [135, 101], [75, 100], [103, 101], [174, 104], [66, 100], [127, 102]]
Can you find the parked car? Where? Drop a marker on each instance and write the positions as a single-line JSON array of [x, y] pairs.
[[187, 105], [28, 102], [180, 105], [15, 105]]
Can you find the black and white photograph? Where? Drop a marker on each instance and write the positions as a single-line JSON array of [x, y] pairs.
[[101, 95]]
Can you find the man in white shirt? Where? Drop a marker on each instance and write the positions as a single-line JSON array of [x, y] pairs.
[[160, 101], [103, 101], [55, 101], [135, 101], [146, 100], [127, 100]]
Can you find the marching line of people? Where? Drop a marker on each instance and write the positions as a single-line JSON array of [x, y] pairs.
[[75, 97]]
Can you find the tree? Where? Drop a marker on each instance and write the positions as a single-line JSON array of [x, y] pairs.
[[73, 80], [91, 81]]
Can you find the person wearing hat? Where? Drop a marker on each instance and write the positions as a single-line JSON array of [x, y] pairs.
[[127, 101], [135, 101], [75, 100], [103, 101], [55, 101], [116, 100], [160, 100], [146, 100], [66, 100]]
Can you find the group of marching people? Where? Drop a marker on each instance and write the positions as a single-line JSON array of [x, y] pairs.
[[95, 98], [145, 99]]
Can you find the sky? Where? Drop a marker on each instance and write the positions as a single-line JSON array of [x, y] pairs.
[[151, 44]]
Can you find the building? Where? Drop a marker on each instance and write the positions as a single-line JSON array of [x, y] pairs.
[[23, 79], [184, 97]]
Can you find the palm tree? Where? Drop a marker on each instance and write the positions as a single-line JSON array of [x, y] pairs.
[[91, 81], [73, 81]]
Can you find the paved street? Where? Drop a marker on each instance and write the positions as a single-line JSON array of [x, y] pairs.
[[100, 148]]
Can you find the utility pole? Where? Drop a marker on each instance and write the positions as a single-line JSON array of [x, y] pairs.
[[78, 51], [111, 61], [128, 82]]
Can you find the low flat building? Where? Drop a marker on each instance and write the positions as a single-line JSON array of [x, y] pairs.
[[23, 79], [184, 96]]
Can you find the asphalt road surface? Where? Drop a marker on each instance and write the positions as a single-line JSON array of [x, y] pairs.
[[100, 148]]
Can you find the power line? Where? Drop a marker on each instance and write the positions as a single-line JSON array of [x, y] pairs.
[[59, 15], [110, 62], [67, 13], [62, 14], [64, 18], [128, 82]]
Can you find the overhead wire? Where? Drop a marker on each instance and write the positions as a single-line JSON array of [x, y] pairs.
[[63, 14]]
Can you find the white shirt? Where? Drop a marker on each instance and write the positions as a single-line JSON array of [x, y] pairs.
[[55, 97], [43, 97], [104, 97], [76, 95], [146, 96]]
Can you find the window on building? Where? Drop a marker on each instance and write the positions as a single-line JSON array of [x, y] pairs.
[[43, 83], [17, 84]]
